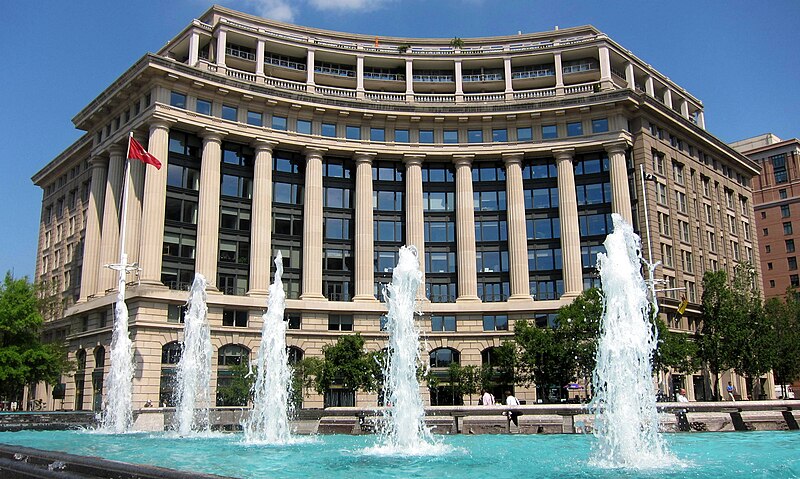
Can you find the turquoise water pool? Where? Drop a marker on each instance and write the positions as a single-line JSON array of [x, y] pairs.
[[751, 455]]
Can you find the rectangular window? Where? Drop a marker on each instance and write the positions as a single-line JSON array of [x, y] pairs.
[[279, 123], [450, 136], [785, 212], [680, 199], [779, 168], [426, 136], [353, 132], [792, 261], [340, 322], [303, 126], [677, 173], [178, 100], [255, 118], [234, 317], [496, 322], [230, 113], [329, 130], [600, 125], [787, 228], [790, 246], [203, 107], [401, 136], [499, 135], [475, 136], [377, 134], [443, 323], [661, 194], [293, 320], [524, 134], [575, 129], [549, 132]]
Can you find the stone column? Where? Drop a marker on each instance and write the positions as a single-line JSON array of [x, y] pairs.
[[508, 77], [310, 70], [409, 79], [668, 98], [605, 68], [620, 189], [364, 244], [194, 48], [415, 220], [684, 108], [459, 77], [630, 78], [648, 87], [208, 208], [260, 57], [360, 76], [517, 233], [701, 120], [92, 238], [559, 73], [155, 186], [222, 40], [109, 249], [261, 219], [465, 231], [133, 214], [570, 232], [312, 226]]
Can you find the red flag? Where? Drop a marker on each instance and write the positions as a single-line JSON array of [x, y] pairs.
[[137, 152]]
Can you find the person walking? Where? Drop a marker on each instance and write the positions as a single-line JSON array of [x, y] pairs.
[[510, 402], [731, 392], [488, 398]]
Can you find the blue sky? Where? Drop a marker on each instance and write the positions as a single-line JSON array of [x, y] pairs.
[[739, 57]]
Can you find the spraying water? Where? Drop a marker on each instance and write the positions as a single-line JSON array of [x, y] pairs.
[[117, 415], [626, 419], [269, 420], [404, 431], [194, 368]]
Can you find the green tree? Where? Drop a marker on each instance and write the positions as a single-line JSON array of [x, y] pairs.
[[786, 317], [716, 334], [753, 332], [24, 359], [674, 350], [457, 43], [502, 370], [304, 374], [236, 390], [347, 364], [578, 329]]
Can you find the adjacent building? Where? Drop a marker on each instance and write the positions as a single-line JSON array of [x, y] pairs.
[[776, 196], [501, 159]]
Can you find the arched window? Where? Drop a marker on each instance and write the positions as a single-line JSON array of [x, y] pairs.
[[295, 354], [80, 378], [232, 354], [99, 357], [487, 357], [443, 357], [80, 358], [171, 353]]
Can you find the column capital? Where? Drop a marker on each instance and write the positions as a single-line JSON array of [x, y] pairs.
[[411, 159], [364, 156], [263, 144], [98, 162], [619, 146], [212, 135], [463, 160], [512, 158], [562, 154], [314, 152], [159, 122], [115, 151]]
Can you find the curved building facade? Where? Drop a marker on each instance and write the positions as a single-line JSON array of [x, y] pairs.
[[501, 160]]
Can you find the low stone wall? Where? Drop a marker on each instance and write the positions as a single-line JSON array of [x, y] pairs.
[[42, 421]]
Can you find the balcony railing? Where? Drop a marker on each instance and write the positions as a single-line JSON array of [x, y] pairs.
[[580, 67], [384, 76], [235, 52], [340, 72], [546, 72], [434, 78], [483, 77], [284, 63]]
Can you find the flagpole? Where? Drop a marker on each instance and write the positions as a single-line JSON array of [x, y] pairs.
[[123, 257]]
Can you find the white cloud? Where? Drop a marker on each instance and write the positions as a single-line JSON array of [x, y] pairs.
[[351, 5], [281, 10]]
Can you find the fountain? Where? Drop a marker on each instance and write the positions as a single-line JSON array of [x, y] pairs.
[[626, 419], [404, 427], [192, 390], [269, 420], [117, 415]]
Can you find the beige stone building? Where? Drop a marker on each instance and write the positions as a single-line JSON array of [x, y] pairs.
[[501, 160]]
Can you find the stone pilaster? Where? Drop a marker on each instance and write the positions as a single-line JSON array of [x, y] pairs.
[[364, 245], [559, 73], [415, 220], [208, 208], [155, 187], [91, 241], [507, 76], [260, 46], [109, 244], [465, 231], [133, 214], [570, 232], [605, 68], [194, 48], [261, 219], [312, 226], [629, 76], [222, 40], [620, 189], [517, 233]]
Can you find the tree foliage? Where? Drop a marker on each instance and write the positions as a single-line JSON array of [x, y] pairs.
[[674, 351], [238, 389], [24, 359], [714, 341], [348, 365], [786, 341]]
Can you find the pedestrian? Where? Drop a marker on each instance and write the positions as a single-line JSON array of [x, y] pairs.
[[488, 398], [681, 397], [731, 392], [510, 402]]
